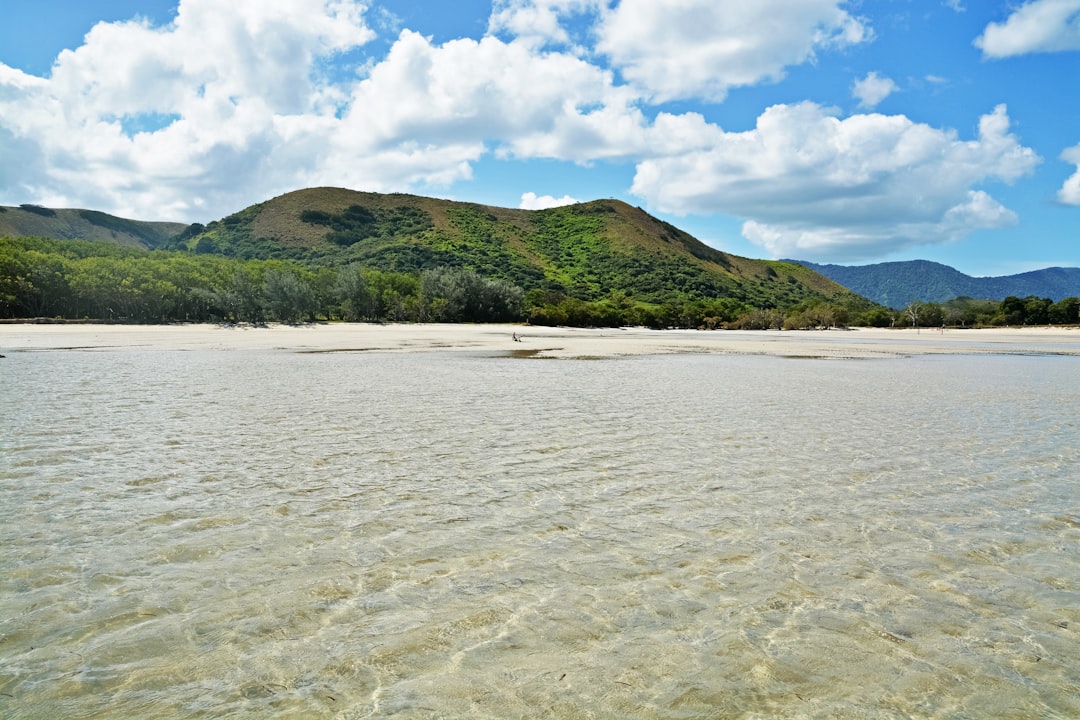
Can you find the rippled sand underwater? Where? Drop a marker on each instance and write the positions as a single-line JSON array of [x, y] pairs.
[[275, 534]]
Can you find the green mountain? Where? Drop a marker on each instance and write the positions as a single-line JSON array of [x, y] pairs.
[[38, 221], [339, 254], [897, 284], [585, 251]]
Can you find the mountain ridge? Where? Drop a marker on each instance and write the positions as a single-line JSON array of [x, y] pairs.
[[30, 220], [897, 284], [586, 250]]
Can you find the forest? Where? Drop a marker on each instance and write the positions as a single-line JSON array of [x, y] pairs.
[[1011, 311], [82, 280], [72, 279]]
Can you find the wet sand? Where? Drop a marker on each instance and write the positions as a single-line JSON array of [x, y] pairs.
[[542, 342]]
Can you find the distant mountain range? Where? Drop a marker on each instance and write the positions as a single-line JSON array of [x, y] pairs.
[[897, 284]]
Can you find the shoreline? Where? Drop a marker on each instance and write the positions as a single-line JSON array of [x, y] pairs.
[[540, 341]]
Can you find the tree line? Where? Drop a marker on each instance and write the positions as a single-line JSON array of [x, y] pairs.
[[74, 279], [84, 280], [969, 312]]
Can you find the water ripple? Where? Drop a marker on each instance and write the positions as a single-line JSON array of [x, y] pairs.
[[254, 534]]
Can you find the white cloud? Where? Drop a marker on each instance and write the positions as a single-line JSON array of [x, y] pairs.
[[812, 185], [471, 95], [538, 22], [230, 122], [472, 89], [1070, 191], [226, 80], [1037, 26], [702, 48], [872, 89], [530, 201]]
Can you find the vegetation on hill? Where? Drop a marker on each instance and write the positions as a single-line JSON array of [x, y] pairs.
[[599, 263], [79, 280], [897, 284], [585, 252], [332, 253], [82, 280], [37, 221]]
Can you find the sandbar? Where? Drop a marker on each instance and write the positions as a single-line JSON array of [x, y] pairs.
[[535, 342]]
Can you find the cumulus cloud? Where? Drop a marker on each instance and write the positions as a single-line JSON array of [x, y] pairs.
[[811, 184], [530, 201], [1070, 191], [227, 106], [872, 89], [1036, 26], [702, 48], [474, 90], [165, 122], [538, 22]]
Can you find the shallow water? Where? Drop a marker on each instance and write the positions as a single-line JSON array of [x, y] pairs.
[[276, 534]]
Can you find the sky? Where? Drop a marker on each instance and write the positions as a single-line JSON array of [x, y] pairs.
[[835, 131]]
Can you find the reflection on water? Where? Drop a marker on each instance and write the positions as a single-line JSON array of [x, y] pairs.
[[270, 534]]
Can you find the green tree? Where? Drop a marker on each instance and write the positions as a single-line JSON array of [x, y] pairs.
[[1037, 310], [932, 315], [1065, 311], [462, 295], [288, 297], [243, 300], [34, 284], [355, 297], [389, 292], [1014, 311], [877, 317]]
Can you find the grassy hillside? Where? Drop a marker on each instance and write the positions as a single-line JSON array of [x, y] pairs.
[[586, 251], [38, 221]]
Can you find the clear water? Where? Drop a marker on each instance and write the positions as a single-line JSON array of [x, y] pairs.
[[255, 534]]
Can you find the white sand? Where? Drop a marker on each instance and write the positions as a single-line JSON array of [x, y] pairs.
[[543, 341]]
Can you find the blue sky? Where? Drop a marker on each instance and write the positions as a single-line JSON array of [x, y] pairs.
[[835, 131]]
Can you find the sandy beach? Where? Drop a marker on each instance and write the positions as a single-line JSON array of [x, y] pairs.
[[542, 342]]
